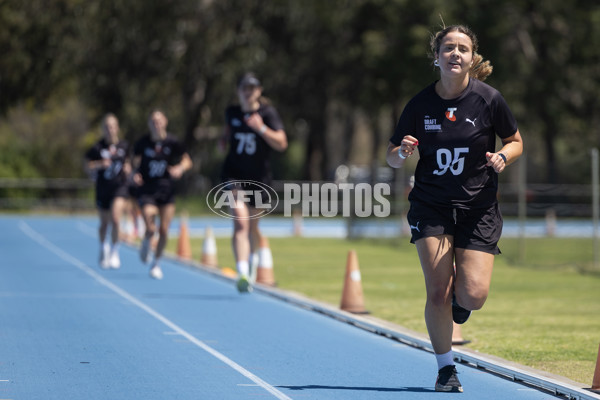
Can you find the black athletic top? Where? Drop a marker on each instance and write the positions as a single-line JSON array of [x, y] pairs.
[[454, 136], [113, 176], [248, 156], [156, 157]]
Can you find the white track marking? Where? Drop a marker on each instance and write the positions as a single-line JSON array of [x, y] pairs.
[[83, 267], [88, 230]]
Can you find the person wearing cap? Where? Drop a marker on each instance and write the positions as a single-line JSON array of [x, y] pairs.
[[253, 129]]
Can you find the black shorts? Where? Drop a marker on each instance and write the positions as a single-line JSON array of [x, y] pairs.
[[106, 195], [158, 195], [474, 229]]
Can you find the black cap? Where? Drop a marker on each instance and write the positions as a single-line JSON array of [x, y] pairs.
[[249, 80]]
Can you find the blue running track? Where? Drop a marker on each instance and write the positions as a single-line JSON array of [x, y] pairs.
[[70, 330]]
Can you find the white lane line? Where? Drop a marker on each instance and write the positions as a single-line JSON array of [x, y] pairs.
[[83, 267], [88, 230]]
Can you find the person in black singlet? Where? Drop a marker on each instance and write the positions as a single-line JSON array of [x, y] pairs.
[[160, 159], [108, 161], [454, 216], [253, 128]]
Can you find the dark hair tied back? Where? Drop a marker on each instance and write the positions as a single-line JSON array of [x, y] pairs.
[[480, 69]]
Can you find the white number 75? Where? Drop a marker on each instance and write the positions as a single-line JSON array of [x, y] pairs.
[[247, 143], [445, 161]]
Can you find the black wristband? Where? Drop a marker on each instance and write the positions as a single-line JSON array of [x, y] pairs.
[[503, 157]]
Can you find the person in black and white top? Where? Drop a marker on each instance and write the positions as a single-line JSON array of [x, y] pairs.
[[454, 216], [160, 159], [108, 161], [253, 129]]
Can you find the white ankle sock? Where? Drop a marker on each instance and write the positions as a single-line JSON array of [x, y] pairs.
[[444, 359], [243, 268]]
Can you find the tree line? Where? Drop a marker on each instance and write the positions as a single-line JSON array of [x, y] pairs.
[[339, 72]]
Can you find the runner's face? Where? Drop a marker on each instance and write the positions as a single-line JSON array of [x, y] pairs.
[[249, 94], [455, 54], [157, 124], [111, 129]]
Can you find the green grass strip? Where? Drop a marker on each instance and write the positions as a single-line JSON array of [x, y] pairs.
[[542, 312]]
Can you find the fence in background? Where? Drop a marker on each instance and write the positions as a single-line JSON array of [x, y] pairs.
[[39, 194], [534, 200], [518, 200]]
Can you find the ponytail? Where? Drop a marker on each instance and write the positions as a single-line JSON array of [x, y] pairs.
[[480, 69]]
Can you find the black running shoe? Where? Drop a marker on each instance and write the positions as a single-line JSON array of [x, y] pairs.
[[459, 315], [447, 381]]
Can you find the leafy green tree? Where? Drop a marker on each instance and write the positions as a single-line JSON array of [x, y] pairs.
[[34, 63], [323, 63], [127, 61]]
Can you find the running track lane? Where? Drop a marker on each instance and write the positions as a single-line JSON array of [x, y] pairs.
[[73, 331]]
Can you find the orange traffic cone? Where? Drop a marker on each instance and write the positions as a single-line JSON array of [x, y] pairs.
[[297, 223], [228, 272], [184, 250], [596, 380], [352, 296], [457, 339], [209, 249], [264, 271]]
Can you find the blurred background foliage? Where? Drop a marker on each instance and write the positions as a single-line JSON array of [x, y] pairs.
[[339, 72]]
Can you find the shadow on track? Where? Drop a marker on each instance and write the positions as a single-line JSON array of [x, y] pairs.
[[362, 388]]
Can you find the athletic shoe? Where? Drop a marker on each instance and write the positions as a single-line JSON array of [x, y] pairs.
[[459, 315], [145, 250], [156, 272], [104, 257], [447, 381], [243, 284], [115, 260]]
